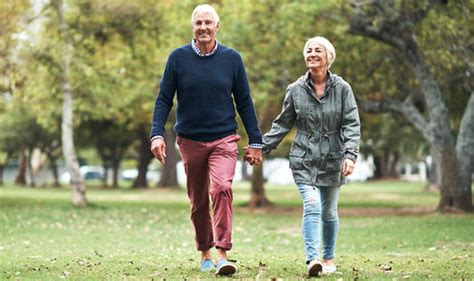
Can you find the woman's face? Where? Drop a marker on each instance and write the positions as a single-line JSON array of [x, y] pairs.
[[316, 56]]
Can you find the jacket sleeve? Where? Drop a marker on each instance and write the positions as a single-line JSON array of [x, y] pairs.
[[282, 124], [350, 124]]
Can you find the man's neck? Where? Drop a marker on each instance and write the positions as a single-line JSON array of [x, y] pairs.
[[206, 47]]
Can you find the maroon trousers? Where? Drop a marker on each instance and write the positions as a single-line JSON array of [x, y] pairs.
[[206, 162]]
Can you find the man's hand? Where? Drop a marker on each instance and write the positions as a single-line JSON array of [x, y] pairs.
[[253, 155], [347, 167], [158, 148]]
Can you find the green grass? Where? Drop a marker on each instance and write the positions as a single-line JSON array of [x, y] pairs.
[[145, 235]]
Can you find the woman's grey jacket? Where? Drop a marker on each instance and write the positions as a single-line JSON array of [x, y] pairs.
[[328, 130]]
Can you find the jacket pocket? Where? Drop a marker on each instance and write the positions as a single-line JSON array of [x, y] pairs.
[[296, 161], [334, 161], [298, 152]]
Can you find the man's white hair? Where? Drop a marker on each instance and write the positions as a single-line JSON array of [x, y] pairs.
[[330, 51], [205, 8]]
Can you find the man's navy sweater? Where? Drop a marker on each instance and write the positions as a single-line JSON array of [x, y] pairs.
[[204, 86]]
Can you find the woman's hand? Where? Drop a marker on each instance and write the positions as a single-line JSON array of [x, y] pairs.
[[347, 167]]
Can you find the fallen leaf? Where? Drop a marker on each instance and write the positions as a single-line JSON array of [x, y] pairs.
[[386, 268]]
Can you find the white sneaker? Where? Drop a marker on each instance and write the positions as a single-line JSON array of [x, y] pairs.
[[329, 268], [314, 268]]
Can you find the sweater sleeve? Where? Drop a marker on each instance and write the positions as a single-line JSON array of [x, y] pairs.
[[164, 100], [244, 103]]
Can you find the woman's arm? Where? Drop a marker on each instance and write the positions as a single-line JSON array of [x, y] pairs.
[[281, 125], [350, 125]]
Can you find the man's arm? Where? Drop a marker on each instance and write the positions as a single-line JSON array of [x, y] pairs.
[[246, 110], [163, 105]]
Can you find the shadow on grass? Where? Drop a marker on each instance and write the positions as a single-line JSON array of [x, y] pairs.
[[55, 203]]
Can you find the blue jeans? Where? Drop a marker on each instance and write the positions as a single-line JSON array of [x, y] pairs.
[[319, 204]]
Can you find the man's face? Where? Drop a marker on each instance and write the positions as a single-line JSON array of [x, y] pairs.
[[204, 28]]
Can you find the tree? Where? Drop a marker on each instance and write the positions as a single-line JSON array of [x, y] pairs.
[[69, 152], [128, 34], [20, 133], [144, 157], [169, 175], [11, 21], [394, 23], [111, 140]]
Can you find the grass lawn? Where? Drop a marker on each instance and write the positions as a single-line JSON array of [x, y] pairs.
[[388, 230]]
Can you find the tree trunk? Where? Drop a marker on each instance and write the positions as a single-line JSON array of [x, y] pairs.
[[20, 178], [393, 166], [379, 166], [144, 159], [245, 174], [440, 136], [54, 168], [452, 193], [1, 174], [448, 167], [434, 180], [462, 196], [31, 171], [115, 172], [104, 157], [257, 189], [3, 163], [169, 176], [106, 173], [385, 163], [257, 193], [69, 152]]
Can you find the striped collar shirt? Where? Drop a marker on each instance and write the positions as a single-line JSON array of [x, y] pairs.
[[198, 52]]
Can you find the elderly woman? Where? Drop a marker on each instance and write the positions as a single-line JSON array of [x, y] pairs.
[[322, 106]]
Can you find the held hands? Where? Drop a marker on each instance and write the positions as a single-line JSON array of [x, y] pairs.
[[253, 155], [347, 167], [158, 148]]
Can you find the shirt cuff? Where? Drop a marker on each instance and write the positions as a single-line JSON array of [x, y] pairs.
[[266, 149], [350, 155], [156, 137], [256, 145]]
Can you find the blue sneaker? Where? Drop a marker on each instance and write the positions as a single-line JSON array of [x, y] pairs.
[[207, 265], [224, 267]]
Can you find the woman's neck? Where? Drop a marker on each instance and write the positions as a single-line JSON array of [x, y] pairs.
[[318, 75]]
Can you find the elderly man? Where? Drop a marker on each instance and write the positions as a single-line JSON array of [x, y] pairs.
[[208, 78]]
